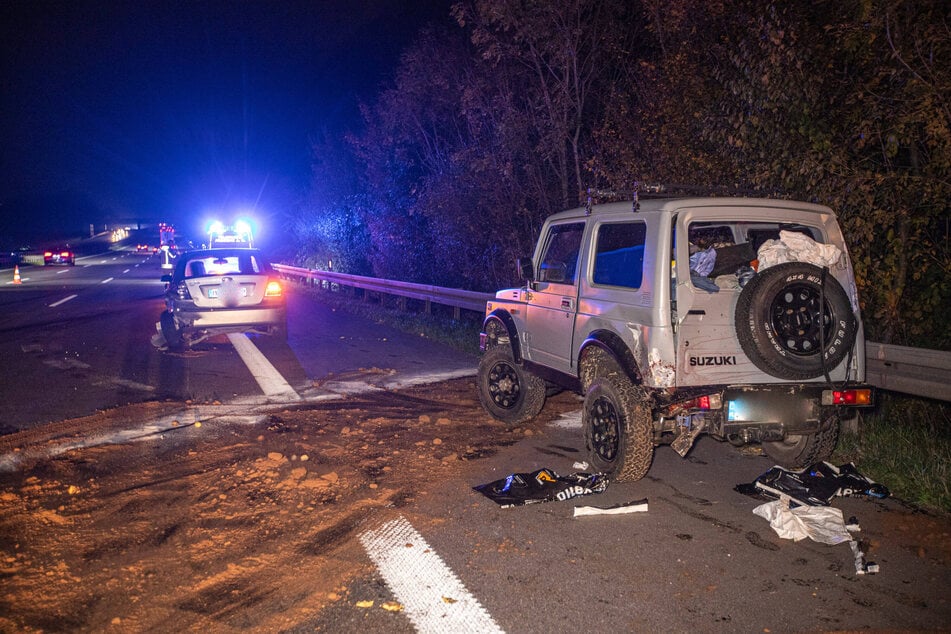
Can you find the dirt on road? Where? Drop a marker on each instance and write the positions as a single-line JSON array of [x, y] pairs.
[[223, 524]]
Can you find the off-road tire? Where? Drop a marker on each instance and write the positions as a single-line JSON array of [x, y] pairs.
[[172, 333], [617, 429], [596, 362], [804, 450], [777, 321], [507, 391]]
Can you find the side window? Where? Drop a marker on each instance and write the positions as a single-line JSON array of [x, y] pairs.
[[560, 261], [619, 255]]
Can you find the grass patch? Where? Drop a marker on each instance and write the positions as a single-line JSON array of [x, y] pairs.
[[905, 444]]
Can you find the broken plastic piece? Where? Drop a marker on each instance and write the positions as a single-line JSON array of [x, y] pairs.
[[691, 428], [815, 486], [543, 485], [637, 506]]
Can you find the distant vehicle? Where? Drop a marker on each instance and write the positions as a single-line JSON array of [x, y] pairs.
[[59, 255], [237, 236], [220, 291], [143, 248]]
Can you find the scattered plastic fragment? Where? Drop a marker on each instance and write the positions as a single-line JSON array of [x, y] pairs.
[[815, 486], [543, 485], [822, 524], [637, 506]]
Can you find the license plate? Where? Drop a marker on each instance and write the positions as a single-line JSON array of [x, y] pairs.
[[213, 292]]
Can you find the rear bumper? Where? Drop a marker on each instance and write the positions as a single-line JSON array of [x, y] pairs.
[[237, 318], [772, 413]]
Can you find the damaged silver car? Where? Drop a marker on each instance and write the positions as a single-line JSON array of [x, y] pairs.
[[221, 291]]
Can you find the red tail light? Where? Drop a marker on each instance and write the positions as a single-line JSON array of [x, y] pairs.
[[856, 397]]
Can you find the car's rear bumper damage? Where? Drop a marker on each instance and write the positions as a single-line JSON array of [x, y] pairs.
[[231, 317]]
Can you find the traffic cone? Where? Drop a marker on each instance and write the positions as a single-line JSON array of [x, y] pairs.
[[16, 274]]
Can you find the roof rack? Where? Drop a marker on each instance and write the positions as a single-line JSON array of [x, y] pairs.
[[671, 190]]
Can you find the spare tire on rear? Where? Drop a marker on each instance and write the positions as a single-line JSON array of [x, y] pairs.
[[781, 327]]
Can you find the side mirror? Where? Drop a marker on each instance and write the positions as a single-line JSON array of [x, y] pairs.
[[167, 278], [526, 269]]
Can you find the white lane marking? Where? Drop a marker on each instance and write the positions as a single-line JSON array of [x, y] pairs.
[[63, 271], [107, 280], [267, 376], [433, 597], [126, 271], [63, 301]]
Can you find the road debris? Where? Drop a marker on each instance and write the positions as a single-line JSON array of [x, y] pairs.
[[802, 509], [637, 506], [543, 485]]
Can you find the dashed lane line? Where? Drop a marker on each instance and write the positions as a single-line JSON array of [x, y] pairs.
[[63, 301]]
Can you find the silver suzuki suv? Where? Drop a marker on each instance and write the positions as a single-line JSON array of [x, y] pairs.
[[734, 317]]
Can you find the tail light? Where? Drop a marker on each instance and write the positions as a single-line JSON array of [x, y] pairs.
[[705, 402], [48, 254], [273, 289], [855, 397], [702, 403], [182, 291]]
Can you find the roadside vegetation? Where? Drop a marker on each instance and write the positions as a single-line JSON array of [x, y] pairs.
[[905, 444], [510, 111]]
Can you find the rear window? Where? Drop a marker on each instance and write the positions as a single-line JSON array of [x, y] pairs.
[[226, 264]]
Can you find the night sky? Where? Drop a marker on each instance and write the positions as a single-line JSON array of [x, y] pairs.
[[176, 111]]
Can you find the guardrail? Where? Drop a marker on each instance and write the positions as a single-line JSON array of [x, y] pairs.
[[915, 371], [427, 293]]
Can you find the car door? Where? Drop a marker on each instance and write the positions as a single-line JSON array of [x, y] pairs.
[[553, 301]]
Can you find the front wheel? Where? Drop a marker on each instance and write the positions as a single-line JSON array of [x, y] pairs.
[[508, 391], [171, 331], [617, 429]]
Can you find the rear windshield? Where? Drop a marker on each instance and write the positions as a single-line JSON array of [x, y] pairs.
[[226, 264]]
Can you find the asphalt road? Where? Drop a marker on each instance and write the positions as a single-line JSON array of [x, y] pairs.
[[77, 340]]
